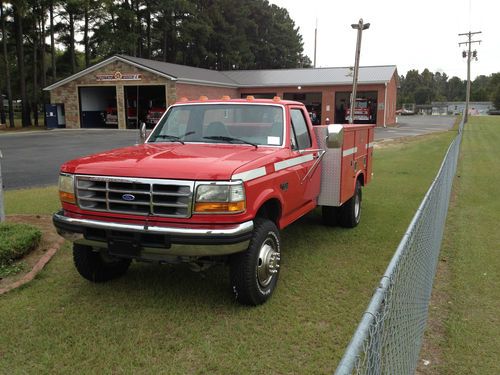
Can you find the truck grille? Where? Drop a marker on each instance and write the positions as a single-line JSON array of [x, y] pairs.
[[137, 196]]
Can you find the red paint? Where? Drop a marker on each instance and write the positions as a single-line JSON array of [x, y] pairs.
[[219, 162]]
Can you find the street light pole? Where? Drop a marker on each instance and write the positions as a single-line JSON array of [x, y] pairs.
[[360, 26]]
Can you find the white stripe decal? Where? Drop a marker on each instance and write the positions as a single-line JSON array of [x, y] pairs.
[[368, 145], [250, 175], [292, 162], [350, 151]]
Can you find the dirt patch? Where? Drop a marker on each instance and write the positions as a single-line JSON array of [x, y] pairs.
[[38, 258]]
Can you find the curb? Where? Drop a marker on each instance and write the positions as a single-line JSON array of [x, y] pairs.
[[42, 262]]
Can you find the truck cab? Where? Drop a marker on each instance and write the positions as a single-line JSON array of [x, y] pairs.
[[215, 181]]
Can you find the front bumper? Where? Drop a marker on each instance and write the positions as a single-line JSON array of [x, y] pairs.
[[156, 241]]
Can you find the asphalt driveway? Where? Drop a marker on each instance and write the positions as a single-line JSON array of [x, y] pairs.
[[409, 126], [33, 159]]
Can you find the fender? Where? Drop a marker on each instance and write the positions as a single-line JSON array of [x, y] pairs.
[[363, 181], [264, 196]]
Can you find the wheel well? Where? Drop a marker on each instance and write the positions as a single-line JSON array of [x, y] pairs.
[[361, 179], [271, 210]]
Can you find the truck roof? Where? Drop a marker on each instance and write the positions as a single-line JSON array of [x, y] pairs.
[[204, 100]]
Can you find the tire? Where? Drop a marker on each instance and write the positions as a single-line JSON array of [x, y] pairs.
[[330, 215], [350, 212], [97, 267], [255, 271]]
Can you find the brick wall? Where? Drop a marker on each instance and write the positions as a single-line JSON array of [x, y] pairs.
[[68, 93], [328, 97]]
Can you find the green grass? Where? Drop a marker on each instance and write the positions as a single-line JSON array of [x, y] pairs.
[[11, 269], [166, 319], [37, 201], [472, 248], [16, 240]]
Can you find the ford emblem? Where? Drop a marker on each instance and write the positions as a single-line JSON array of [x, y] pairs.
[[128, 197]]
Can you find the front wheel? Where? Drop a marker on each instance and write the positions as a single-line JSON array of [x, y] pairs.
[[254, 272], [96, 266], [350, 212]]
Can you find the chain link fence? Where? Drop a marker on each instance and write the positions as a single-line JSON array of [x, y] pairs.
[[389, 336]]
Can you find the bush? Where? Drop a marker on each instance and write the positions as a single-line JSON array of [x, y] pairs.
[[17, 240]]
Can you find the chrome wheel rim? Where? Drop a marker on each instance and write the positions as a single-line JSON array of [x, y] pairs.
[[268, 262], [357, 207]]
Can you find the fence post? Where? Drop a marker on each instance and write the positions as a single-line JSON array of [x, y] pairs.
[[2, 210]]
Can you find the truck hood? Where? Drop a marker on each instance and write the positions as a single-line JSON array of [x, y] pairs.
[[190, 161]]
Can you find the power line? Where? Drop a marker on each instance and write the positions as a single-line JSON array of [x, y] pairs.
[[468, 54]]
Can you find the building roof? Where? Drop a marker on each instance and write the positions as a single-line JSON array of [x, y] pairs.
[[249, 78], [311, 77], [184, 73]]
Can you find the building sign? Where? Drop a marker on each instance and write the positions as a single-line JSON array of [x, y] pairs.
[[118, 76]]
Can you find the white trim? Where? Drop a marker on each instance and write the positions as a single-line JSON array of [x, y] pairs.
[[370, 145], [250, 175], [100, 65], [292, 162], [349, 151]]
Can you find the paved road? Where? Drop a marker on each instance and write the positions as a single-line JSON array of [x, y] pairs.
[[409, 126], [33, 159]]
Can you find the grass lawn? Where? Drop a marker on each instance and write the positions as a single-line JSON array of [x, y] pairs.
[[472, 249], [166, 319]]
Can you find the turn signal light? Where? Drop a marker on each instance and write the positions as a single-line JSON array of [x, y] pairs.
[[219, 207], [67, 197]]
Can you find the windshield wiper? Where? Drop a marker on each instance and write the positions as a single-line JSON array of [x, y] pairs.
[[174, 137], [229, 139]]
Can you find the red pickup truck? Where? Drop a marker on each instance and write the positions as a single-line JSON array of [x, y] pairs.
[[214, 182]]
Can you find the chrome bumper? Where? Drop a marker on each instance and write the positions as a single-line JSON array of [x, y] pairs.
[[176, 241]]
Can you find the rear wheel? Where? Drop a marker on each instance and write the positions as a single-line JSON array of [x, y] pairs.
[[350, 212], [96, 266], [254, 272]]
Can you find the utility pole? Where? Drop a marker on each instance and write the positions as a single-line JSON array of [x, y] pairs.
[[469, 54], [315, 39], [360, 26]]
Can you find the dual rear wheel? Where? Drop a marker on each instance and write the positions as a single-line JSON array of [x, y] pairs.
[[348, 215]]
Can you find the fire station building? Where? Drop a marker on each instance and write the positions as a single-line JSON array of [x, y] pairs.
[[122, 91]]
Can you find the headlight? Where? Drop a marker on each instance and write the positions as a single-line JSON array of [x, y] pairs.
[[215, 198], [67, 188]]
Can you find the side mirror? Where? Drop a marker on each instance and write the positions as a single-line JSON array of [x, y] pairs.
[[142, 133], [335, 136]]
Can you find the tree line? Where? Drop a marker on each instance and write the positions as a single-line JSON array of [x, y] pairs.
[[427, 87], [46, 40]]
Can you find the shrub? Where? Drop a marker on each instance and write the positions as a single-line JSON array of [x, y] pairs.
[[16, 240]]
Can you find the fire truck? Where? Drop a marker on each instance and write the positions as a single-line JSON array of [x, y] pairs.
[[362, 111], [153, 115], [214, 182]]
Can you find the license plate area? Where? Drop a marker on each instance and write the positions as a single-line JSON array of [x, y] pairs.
[[124, 248]]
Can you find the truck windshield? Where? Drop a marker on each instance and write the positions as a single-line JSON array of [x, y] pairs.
[[245, 124]]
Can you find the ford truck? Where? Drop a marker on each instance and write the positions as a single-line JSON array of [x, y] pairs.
[[215, 181]]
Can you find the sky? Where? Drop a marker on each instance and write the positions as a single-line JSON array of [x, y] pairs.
[[409, 34]]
